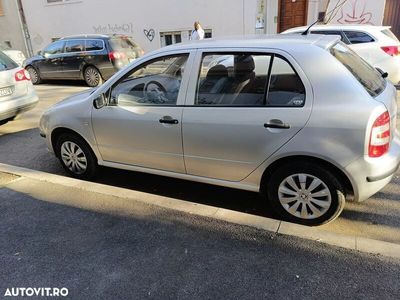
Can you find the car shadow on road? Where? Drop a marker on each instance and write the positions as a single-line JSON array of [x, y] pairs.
[[239, 200]]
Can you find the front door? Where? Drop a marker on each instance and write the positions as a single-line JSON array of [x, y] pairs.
[[240, 115], [292, 13], [142, 125]]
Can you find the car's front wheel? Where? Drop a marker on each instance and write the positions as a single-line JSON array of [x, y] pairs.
[[92, 76], [305, 193], [75, 156]]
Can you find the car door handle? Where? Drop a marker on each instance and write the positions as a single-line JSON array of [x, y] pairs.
[[168, 120], [275, 123]]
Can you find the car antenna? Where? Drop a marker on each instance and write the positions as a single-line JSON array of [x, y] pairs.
[[320, 19]]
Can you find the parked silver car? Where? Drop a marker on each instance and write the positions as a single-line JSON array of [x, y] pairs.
[[16, 90], [300, 118]]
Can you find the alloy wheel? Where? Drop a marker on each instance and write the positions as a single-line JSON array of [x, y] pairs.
[[92, 76], [73, 157], [304, 196]]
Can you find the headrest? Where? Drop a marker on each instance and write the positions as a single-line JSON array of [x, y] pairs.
[[217, 71], [244, 64]]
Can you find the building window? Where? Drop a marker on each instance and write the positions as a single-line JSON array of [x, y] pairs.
[[61, 1], [169, 38]]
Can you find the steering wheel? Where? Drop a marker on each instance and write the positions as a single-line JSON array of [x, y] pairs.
[[154, 92]]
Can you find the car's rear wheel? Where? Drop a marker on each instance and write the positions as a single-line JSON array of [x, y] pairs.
[[92, 76], [35, 77], [305, 193], [76, 157]]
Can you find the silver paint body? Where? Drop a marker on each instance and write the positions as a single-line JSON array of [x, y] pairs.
[[229, 146]]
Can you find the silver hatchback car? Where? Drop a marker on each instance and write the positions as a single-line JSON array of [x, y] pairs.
[[302, 119]]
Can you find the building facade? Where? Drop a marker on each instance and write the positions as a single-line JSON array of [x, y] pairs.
[[156, 23], [11, 32]]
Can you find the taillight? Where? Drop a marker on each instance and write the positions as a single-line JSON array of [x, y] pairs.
[[116, 55], [22, 75], [380, 136], [391, 50]]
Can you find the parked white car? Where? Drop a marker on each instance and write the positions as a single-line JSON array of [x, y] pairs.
[[17, 94], [253, 114], [376, 44], [16, 55]]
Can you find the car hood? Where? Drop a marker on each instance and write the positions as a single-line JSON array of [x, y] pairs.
[[73, 99]]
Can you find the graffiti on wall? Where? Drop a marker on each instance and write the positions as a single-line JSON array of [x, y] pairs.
[[355, 12], [113, 28], [150, 34]]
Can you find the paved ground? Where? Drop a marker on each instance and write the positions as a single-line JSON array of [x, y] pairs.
[[149, 252], [20, 144]]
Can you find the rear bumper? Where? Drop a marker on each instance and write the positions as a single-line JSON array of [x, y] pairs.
[[13, 107], [369, 175]]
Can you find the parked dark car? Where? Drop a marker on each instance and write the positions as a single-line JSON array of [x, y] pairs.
[[93, 58]]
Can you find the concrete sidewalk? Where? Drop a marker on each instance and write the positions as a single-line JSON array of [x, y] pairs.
[[122, 202]]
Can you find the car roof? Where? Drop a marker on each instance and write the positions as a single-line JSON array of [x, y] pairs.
[[276, 41], [92, 36], [356, 27]]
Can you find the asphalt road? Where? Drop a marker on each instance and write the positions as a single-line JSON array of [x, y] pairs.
[[20, 145], [153, 253]]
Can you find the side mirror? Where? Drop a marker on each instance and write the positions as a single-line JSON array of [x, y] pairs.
[[39, 52], [383, 73], [100, 101]]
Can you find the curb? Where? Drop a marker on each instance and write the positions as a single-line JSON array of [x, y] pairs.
[[351, 242]]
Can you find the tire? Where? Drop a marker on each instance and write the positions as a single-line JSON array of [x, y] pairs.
[[76, 157], [305, 193], [92, 76], [35, 77]]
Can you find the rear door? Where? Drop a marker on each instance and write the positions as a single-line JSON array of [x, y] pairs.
[[51, 66], [241, 107], [74, 58]]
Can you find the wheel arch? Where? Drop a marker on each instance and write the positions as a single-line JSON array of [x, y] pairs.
[[342, 177], [57, 132]]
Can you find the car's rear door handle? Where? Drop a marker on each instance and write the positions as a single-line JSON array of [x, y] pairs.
[[275, 123], [168, 120]]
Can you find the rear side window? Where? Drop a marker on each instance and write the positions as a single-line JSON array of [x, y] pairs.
[[6, 63], [75, 46], [370, 78], [248, 79], [356, 37], [93, 45], [390, 34]]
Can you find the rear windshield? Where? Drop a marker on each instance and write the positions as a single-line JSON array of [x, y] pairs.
[[6, 63], [368, 76], [390, 34]]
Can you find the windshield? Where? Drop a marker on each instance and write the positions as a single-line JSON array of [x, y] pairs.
[[6, 63], [369, 77]]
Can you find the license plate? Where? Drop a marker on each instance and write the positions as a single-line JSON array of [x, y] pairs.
[[6, 91]]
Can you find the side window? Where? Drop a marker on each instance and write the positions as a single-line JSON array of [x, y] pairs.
[[54, 48], [75, 46], [93, 45], [356, 37], [233, 79], [154, 83], [285, 87]]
